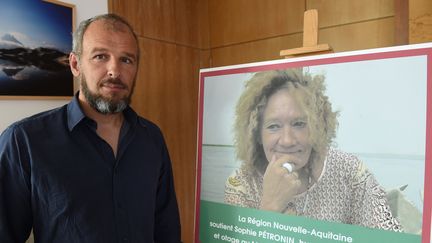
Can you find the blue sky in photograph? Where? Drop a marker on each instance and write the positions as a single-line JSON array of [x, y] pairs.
[[36, 23]]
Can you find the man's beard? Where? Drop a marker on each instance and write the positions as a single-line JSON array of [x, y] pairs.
[[102, 104]]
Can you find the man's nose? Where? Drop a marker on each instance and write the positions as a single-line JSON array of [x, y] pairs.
[[113, 69]]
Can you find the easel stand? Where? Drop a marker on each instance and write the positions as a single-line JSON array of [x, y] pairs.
[[310, 38]]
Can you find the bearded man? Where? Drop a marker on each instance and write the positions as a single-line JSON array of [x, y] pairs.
[[93, 170]]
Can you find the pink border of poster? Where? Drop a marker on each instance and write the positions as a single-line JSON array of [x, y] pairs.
[[345, 57]]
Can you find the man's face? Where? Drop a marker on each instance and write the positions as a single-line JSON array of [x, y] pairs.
[[108, 66]]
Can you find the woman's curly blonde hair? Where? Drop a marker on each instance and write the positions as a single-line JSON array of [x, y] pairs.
[[322, 121]]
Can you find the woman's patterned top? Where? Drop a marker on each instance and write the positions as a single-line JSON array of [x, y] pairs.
[[346, 192]]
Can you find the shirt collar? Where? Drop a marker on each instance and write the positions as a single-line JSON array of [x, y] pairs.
[[130, 116], [75, 114]]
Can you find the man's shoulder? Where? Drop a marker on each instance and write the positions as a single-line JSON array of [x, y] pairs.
[[146, 123], [39, 125], [40, 120]]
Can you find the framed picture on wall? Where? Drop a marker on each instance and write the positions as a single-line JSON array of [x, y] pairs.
[[35, 42], [328, 148]]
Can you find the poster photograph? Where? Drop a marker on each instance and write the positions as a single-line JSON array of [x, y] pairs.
[[35, 42], [325, 148]]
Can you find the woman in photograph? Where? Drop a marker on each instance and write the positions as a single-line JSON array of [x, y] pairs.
[[283, 132]]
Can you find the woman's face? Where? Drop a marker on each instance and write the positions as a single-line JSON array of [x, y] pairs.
[[284, 131]]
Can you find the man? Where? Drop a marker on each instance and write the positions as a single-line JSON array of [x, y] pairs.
[[92, 170]]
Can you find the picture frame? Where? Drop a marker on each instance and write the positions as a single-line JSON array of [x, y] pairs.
[[35, 42], [383, 98]]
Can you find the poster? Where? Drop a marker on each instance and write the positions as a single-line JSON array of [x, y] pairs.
[[382, 101], [35, 42]]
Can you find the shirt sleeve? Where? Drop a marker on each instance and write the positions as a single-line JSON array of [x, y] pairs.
[[15, 204], [369, 206], [167, 225]]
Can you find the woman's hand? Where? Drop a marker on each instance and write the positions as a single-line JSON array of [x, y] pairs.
[[279, 186]]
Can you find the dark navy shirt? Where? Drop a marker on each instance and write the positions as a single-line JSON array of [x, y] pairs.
[[59, 177]]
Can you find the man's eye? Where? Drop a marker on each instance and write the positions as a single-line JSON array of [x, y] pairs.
[[99, 57], [127, 60]]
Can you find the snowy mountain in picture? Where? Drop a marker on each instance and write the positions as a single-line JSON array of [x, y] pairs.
[[8, 41]]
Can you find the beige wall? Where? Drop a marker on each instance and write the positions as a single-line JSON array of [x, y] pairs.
[[177, 38]]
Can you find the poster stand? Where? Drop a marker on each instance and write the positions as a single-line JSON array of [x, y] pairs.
[[310, 38]]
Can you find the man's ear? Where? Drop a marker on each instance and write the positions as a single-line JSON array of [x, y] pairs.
[[74, 64]]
